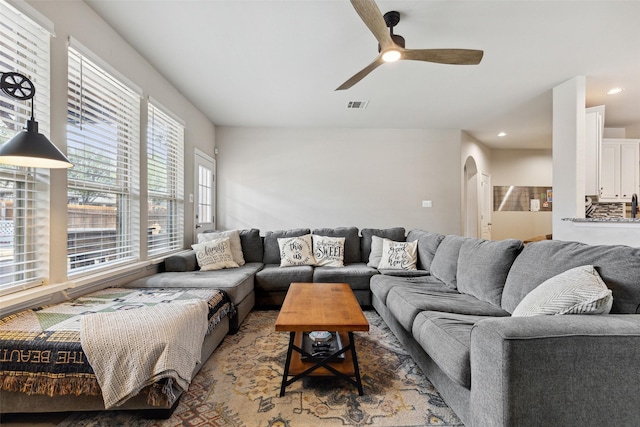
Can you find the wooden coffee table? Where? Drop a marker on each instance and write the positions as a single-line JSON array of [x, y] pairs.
[[321, 307]]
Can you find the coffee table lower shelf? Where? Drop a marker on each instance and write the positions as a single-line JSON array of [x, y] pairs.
[[346, 369]]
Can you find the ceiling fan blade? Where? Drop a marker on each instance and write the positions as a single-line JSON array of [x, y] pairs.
[[372, 17], [361, 74], [445, 56]]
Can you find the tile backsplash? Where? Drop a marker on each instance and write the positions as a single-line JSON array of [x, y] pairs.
[[607, 210]]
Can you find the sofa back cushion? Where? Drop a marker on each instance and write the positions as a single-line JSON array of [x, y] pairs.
[[427, 245], [396, 234], [445, 261], [185, 261], [252, 247], [617, 265], [483, 267], [351, 241], [271, 247]]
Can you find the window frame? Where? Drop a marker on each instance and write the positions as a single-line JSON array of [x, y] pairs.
[[103, 142]]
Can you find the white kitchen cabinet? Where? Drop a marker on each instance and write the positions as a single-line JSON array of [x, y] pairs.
[[594, 128], [619, 169]]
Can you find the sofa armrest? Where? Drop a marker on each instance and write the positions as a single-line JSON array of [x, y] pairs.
[[185, 261], [572, 370]]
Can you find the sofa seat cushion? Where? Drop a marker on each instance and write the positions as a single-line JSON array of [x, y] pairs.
[[275, 278], [382, 284], [358, 275], [403, 273], [446, 338], [405, 304], [236, 282]]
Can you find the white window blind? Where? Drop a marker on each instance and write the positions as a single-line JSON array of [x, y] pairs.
[[24, 192], [103, 143], [165, 171]]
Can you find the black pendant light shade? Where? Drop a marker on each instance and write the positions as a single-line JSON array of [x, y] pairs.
[[28, 148]]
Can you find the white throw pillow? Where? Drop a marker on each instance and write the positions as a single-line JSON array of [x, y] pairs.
[[234, 239], [296, 251], [214, 255], [576, 291], [328, 251], [376, 251], [398, 255]]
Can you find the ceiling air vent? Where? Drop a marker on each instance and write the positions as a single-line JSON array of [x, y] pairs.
[[357, 105]]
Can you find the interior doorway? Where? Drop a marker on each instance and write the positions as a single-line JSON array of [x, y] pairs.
[[477, 201]]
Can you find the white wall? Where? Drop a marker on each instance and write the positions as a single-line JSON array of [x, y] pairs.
[[521, 168], [285, 178]]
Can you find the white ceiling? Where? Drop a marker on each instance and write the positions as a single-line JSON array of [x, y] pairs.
[[276, 63]]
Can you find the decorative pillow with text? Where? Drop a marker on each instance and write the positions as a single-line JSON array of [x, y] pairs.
[[214, 255], [328, 251], [296, 251], [398, 255], [234, 240]]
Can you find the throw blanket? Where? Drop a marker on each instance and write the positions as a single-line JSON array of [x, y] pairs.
[[131, 349]]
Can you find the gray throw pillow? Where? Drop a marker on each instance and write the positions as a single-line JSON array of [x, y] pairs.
[[483, 267]]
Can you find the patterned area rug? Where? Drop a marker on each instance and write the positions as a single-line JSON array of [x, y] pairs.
[[239, 386]]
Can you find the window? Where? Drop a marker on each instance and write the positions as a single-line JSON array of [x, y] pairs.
[[24, 192], [165, 170], [103, 142]]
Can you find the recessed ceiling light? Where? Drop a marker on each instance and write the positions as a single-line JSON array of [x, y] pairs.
[[614, 91], [502, 134]]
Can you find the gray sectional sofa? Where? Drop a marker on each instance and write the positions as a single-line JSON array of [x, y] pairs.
[[454, 315], [495, 369]]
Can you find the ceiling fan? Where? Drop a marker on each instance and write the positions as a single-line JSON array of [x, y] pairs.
[[391, 46]]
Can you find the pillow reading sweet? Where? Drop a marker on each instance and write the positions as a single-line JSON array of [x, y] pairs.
[[296, 251], [398, 255], [328, 251], [214, 255], [579, 290]]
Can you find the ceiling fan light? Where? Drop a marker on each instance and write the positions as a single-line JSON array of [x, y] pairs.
[[391, 55]]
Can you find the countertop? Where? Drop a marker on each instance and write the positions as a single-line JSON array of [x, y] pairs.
[[605, 220]]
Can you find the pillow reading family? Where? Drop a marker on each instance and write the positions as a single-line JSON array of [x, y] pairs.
[[214, 254]]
